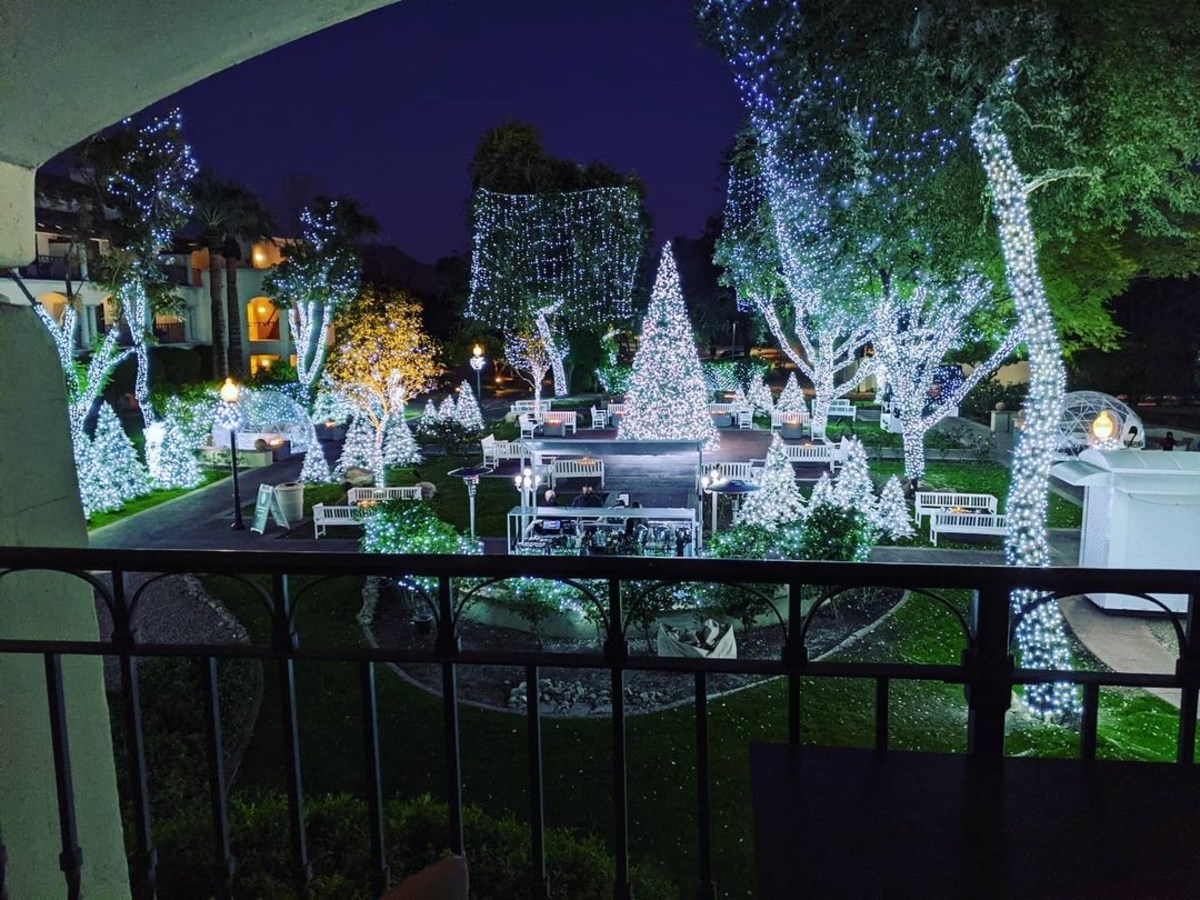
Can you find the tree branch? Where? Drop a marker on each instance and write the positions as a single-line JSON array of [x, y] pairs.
[[1054, 175]]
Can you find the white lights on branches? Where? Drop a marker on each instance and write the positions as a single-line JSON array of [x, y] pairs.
[[778, 500]]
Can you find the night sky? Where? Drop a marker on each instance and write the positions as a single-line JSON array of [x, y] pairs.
[[387, 108]]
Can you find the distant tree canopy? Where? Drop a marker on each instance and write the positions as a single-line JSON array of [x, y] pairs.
[[1103, 120]]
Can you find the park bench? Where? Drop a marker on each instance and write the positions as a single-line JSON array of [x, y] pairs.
[[325, 515], [741, 471], [777, 418], [576, 468], [810, 454], [520, 407], [528, 425], [599, 418], [495, 451], [945, 521], [929, 502], [382, 494], [843, 409]]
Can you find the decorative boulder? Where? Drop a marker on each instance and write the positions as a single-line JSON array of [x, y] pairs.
[[428, 489], [356, 477]]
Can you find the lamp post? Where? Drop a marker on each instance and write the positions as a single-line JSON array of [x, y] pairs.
[[478, 361], [230, 394], [527, 483], [470, 476], [707, 483]]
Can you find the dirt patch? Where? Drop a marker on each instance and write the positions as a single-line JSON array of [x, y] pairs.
[[577, 692]]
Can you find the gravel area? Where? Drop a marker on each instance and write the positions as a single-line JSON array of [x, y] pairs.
[[575, 692]]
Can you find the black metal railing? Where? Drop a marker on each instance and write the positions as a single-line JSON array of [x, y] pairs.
[[170, 332], [986, 669]]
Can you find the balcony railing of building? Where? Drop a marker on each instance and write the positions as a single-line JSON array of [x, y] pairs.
[[170, 332], [264, 331], [986, 669], [52, 268]]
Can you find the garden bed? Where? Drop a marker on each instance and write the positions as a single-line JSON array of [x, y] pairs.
[[573, 692]]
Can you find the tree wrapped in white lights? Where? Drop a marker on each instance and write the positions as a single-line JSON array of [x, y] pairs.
[[554, 263], [916, 327], [1041, 635], [529, 357], [893, 515], [319, 275], [448, 410], [429, 416], [114, 474], [823, 492], [169, 456], [778, 500], [400, 448], [667, 397], [315, 469], [360, 451], [151, 188], [466, 409], [853, 488], [760, 396], [791, 398]]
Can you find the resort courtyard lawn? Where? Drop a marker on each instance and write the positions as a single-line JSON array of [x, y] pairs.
[[837, 712], [154, 498]]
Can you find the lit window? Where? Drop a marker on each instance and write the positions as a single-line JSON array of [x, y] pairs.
[[262, 320], [262, 362]]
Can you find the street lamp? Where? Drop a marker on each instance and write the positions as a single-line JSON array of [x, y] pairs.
[[470, 476], [230, 394], [478, 361], [527, 483], [707, 483]]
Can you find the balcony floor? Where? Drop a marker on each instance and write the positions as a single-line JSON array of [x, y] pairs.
[[853, 823]]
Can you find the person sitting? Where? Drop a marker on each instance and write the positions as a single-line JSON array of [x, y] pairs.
[[550, 498], [1168, 442], [587, 498]]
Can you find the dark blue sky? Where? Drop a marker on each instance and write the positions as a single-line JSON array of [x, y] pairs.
[[387, 108]]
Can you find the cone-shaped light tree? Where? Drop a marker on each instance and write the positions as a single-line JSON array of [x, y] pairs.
[[667, 397], [778, 501]]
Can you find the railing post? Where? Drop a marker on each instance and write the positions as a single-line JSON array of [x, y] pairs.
[[1187, 669], [539, 886], [210, 692], [989, 667], [447, 649], [616, 654], [379, 867], [70, 860], [145, 859], [795, 656], [285, 642]]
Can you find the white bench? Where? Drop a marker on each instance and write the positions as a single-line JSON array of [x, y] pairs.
[[741, 471], [615, 410], [777, 418], [809, 454], [528, 425], [599, 418], [520, 407], [576, 468], [382, 494], [494, 451], [929, 502], [946, 521], [843, 409], [326, 515]]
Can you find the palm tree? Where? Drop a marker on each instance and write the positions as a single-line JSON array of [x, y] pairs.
[[227, 214]]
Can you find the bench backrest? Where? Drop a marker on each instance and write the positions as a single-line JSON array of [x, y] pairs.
[[410, 492], [575, 466], [946, 500], [840, 404], [809, 452], [330, 513]]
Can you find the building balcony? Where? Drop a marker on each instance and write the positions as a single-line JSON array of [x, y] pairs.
[[870, 821], [51, 268]]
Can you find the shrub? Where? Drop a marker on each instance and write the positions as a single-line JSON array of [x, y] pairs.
[[450, 434], [418, 834], [980, 402]]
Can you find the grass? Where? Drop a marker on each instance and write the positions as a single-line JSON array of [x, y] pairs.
[[154, 498], [926, 716], [495, 497], [979, 478]]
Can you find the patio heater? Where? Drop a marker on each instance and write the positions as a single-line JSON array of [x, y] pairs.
[[470, 476], [478, 361], [230, 395], [707, 484]]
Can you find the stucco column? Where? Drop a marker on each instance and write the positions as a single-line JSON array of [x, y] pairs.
[[17, 246], [39, 505]]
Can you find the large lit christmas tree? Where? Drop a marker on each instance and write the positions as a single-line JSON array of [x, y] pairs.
[[777, 501], [667, 397]]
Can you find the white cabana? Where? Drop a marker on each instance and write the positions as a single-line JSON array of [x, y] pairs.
[[1141, 510]]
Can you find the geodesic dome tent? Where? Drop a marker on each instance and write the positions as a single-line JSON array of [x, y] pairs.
[[277, 413], [1077, 425]]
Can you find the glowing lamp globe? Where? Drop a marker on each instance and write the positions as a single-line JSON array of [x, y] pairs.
[[1104, 426], [229, 391]]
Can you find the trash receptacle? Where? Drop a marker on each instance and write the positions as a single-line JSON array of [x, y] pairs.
[[290, 495]]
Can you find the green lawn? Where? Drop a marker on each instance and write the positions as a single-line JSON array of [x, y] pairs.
[[139, 504], [495, 498], [836, 712]]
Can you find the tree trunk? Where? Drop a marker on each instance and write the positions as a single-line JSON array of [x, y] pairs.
[[1040, 634], [216, 306], [233, 304]]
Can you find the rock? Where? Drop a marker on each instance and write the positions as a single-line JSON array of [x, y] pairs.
[[428, 489], [356, 477]]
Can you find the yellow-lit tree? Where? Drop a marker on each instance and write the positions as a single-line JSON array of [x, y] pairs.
[[382, 360]]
